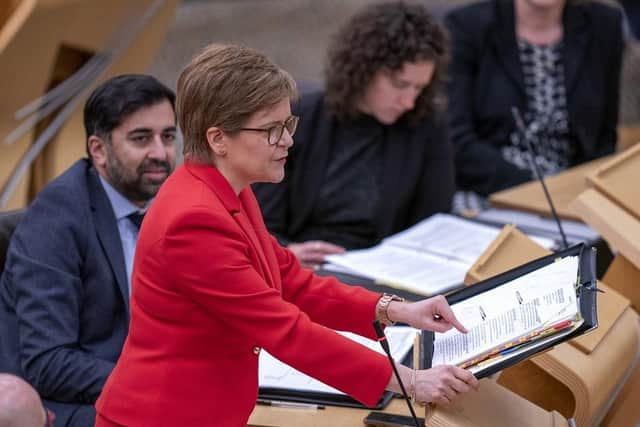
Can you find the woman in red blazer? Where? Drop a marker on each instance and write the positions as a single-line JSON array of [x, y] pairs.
[[211, 287]]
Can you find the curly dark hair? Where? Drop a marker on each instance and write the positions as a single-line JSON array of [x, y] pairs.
[[385, 36]]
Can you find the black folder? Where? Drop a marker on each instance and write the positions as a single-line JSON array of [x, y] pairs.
[[586, 293], [332, 399]]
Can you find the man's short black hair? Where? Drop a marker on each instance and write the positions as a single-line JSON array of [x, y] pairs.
[[119, 97]]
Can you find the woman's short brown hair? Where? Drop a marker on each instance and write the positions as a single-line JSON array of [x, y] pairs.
[[379, 37], [223, 86]]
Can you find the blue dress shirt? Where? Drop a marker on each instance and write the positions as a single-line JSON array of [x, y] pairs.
[[127, 230]]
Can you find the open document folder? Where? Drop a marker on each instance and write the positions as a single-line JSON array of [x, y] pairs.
[[279, 381], [429, 258], [519, 313]]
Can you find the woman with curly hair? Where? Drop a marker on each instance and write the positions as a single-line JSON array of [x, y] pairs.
[[371, 155]]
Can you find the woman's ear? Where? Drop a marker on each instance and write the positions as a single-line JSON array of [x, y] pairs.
[[217, 141]]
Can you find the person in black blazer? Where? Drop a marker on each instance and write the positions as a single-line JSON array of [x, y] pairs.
[[371, 155], [64, 293], [569, 103]]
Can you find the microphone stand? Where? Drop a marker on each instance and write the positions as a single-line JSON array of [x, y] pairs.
[[382, 339], [517, 117]]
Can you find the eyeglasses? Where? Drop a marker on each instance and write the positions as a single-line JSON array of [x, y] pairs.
[[275, 132]]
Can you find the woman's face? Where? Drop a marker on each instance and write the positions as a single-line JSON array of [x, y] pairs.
[[390, 94], [248, 156]]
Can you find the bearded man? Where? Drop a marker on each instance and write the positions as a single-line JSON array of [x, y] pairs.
[[64, 293]]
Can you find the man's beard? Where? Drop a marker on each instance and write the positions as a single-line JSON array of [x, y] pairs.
[[131, 184]]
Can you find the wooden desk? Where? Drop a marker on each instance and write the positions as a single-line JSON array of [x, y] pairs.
[[332, 416], [563, 188], [491, 406]]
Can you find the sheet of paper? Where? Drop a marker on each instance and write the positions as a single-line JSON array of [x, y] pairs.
[[420, 273], [528, 303], [447, 235], [429, 258], [335, 268], [276, 374]]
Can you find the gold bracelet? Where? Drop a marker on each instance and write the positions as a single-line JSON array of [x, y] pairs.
[[382, 308]]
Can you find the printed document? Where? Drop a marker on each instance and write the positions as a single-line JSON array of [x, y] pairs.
[[276, 374], [429, 258], [511, 314], [448, 236]]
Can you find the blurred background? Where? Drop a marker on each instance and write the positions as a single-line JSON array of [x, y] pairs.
[[44, 43]]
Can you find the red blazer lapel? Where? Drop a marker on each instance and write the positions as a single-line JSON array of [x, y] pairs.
[[245, 223], [254, 215], [243, 210]]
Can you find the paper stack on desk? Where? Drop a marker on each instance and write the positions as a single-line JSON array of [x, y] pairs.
[[429, 258]]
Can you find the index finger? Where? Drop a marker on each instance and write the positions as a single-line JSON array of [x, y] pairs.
[[447, 314]]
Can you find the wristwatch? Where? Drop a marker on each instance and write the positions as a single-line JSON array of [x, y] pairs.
[[383, 306]]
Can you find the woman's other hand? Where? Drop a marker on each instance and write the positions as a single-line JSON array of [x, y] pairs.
[[311, 254], [442, 384]]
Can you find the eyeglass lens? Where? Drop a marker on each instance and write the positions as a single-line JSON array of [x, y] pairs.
[[275, 133]]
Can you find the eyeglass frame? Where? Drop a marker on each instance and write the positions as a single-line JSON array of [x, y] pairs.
[[282, 125]]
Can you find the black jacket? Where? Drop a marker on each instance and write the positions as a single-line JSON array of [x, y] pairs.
[[486, 81], [418, 173]]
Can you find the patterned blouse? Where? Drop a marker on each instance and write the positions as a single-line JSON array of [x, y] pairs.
[[546, 116]]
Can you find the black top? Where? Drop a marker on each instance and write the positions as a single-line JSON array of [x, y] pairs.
[[487, 80], [349, 196], [335, 171]]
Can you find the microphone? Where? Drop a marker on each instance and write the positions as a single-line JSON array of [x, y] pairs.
[[517, 117], [382, 339]]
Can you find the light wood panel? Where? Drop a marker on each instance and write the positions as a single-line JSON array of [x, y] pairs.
[[30, 43], [563, 188], [619, 180]]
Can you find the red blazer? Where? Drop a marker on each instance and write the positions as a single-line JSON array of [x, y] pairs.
[[211, 288]]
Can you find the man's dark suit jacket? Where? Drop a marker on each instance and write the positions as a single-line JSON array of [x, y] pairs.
[[64, 311], [486, 81], [417, 180]]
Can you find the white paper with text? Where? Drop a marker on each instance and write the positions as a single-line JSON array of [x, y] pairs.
[[429, 258], [417, 272], [526, 304], [276, 374]]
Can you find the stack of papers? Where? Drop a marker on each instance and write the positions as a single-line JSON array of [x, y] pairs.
[[524, 311], [275, 374], [429, 258]]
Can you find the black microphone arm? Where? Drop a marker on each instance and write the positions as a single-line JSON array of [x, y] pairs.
[[517, 117], [382, 339]]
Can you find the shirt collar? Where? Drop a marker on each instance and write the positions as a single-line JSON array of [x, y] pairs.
[[120, 204]]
